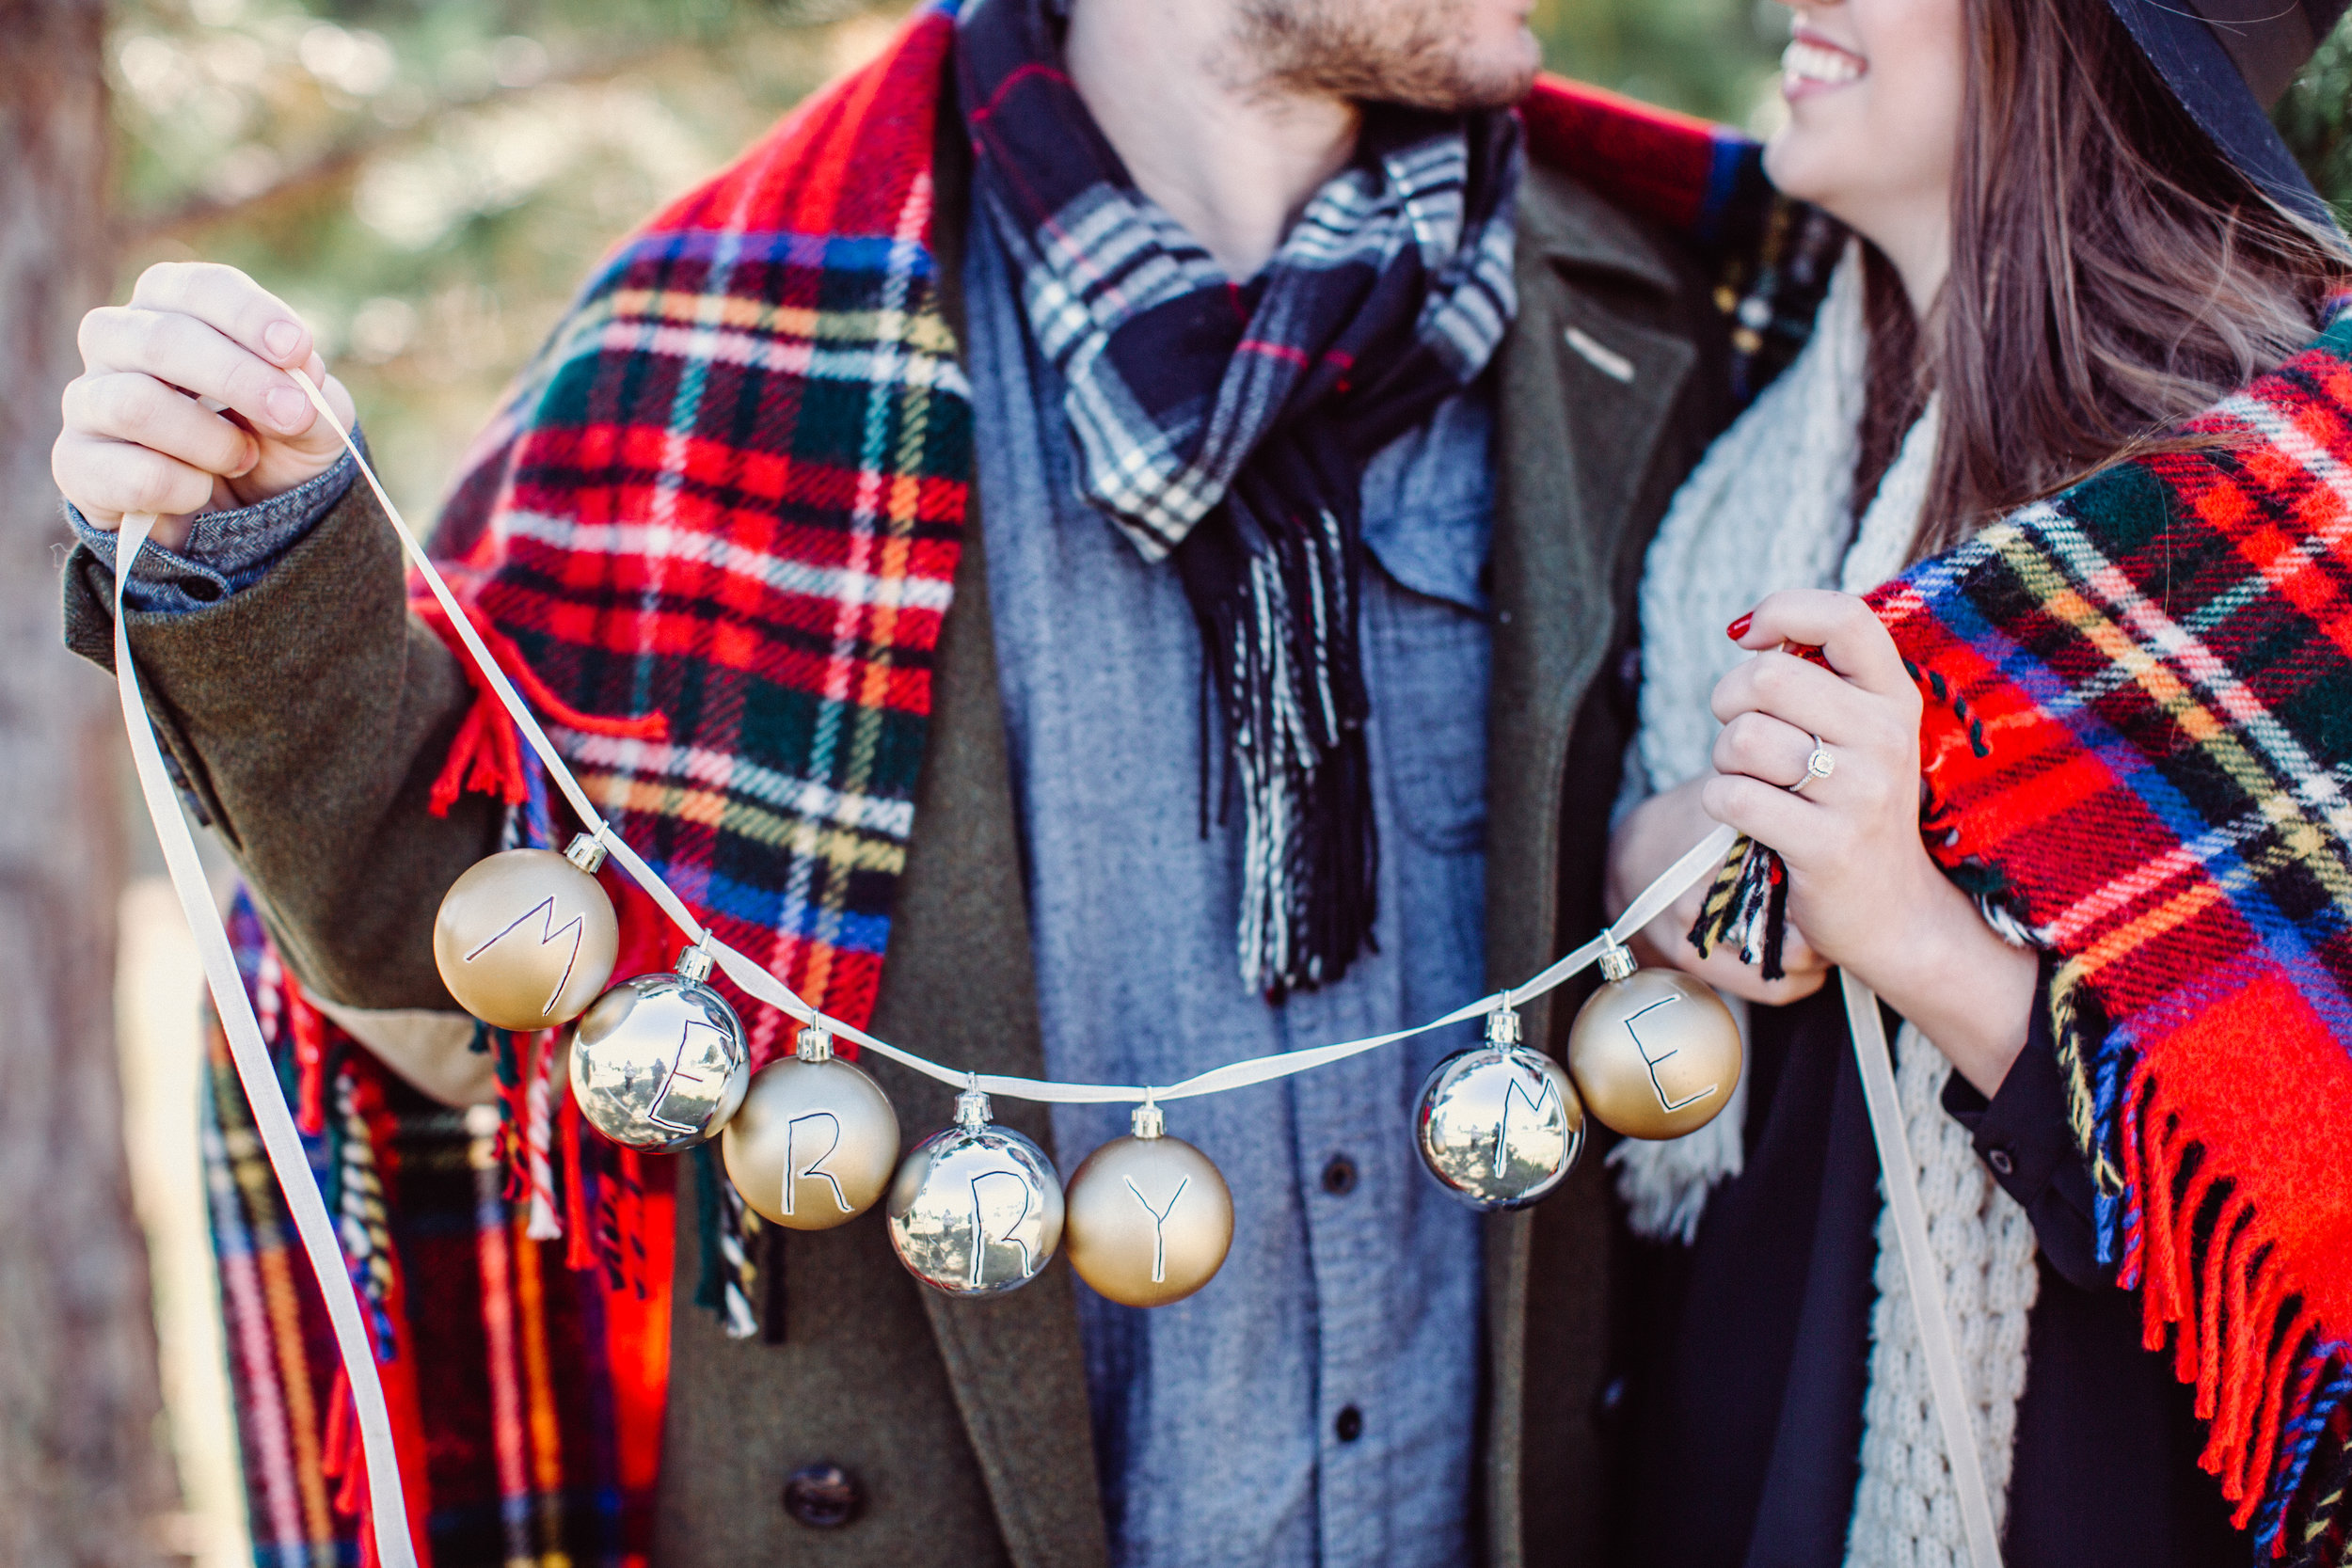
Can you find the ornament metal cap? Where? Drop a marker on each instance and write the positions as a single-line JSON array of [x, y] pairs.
[[1149, 1122], [1503, 1027], [586, 851], [973, 1110], [814, 1045], [695, 963], [1617, 959]]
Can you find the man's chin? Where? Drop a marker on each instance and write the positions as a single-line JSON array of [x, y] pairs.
[[1472, 85]]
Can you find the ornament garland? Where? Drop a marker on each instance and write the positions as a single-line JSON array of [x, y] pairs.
[[526, 940], [658, 1064]]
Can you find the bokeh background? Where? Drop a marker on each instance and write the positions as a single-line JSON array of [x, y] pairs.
[[426, 181]]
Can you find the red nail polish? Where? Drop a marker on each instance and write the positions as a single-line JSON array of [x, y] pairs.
[[1739, 628]]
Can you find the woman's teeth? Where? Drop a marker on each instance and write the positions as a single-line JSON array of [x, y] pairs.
[[1804, 61]]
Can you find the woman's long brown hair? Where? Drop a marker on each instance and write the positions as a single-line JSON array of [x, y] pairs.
[[2111, 275]]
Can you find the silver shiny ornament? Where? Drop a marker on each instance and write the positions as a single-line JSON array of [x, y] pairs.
[[1499, 1124], [658, 1062], [976, 1209], [815, 1141], [527, 938]]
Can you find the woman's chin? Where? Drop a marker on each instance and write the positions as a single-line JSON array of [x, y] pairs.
[[1801, 161]]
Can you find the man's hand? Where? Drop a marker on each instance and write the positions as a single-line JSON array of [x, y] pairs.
[[184, 405]]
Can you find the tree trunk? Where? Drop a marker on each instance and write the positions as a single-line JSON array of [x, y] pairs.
[[82, 1479]]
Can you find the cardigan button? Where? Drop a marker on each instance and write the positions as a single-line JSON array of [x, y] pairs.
[[822, 1495]]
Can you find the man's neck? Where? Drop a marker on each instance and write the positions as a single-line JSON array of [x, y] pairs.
[[1233, 157]]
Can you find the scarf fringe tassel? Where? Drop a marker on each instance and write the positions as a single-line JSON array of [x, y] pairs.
[[486, 755]]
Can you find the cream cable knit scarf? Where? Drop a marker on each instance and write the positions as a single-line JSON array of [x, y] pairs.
[[1768, 509]]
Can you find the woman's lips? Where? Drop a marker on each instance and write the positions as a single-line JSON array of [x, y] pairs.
[[1810, 64]]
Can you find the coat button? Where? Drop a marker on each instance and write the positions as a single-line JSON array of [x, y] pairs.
[[1339, 1176], [1349, 1426], [822, 1495], [2000, 1161]]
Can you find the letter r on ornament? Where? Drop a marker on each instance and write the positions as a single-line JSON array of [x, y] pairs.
[[981, 1239], [794, 1172]]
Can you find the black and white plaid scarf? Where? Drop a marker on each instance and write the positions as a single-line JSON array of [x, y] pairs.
[[1228, 425]]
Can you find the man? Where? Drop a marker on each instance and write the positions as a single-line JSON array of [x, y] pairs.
[[964, 333]]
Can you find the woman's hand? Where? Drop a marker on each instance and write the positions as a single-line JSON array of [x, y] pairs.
[[1861, 888], [1653, 836], [138, 438]]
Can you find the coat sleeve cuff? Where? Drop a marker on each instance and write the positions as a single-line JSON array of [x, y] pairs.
[[225, 551], [2025, 1140]]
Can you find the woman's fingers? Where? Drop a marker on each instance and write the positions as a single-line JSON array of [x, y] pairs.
[[124, 406], [1852, 637], [1797, 828], [1765, 748], [1800, 692]]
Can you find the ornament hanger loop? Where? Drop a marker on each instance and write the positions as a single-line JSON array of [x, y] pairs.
[[1616, 958], [1149, 1121], [587, 852]]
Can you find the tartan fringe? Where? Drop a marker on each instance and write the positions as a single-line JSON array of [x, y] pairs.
[[2275, 1396], [727, 1227], [1747, 907]]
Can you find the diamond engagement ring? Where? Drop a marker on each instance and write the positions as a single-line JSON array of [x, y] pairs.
[[1820, 765]]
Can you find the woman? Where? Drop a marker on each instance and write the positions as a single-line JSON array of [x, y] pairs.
[[2075, 231]]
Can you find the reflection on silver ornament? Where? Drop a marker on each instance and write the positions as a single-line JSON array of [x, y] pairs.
[[1655, 1052], [658, 1063], [527, 938], [1499, 1124], [815, 1141], [975, 1208], [1150, 1216]]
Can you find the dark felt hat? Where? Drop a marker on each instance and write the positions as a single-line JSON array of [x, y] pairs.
[[2227, 61]]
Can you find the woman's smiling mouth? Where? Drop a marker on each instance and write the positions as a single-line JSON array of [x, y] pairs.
[[1812, 64]]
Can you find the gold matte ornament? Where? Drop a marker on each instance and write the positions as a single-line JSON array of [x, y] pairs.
[[526, 938], [1655, 1052], [815, 1141], [1149, 1217]]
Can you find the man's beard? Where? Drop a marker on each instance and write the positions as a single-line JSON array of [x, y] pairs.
[[1410, 51]]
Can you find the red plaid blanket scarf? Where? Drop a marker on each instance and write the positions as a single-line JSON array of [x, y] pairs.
[[2138, 740], [714, 531]]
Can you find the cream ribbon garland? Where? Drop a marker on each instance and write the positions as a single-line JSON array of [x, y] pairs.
[[1920, 1269], [282, 1142], [271, 1117]]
